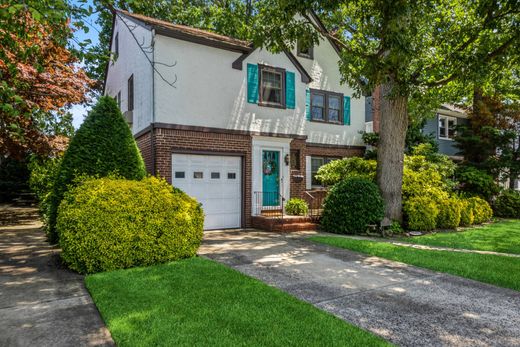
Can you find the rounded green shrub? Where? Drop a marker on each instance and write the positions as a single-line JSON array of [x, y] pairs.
[[106, 224], [449, 213], [296, 207], [421, 213], [482, 212], [466, 213], [341, 169], [103, 145], [507, 204], [351, 206]]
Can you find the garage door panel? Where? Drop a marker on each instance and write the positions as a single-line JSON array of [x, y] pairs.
[[219, 190]]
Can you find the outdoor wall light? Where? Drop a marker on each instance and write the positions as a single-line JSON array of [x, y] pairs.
[[287, 159]]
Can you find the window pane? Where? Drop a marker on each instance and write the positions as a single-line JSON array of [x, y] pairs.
[[318, 100], [198, 175], [317, 113], [442, 127], [215, 175], [231, 175], [179, 174], [334, 102], [451, 128], [272, 95], [333, 115], [316, 163]]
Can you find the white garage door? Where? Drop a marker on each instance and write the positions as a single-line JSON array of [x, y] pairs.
[[215, 181]]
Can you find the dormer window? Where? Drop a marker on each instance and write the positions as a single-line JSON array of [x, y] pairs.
[[304, 51], [272, 86]]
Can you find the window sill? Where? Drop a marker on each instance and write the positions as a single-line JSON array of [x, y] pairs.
[[325, 122], [263, 104], [310, 57], [446, 138]]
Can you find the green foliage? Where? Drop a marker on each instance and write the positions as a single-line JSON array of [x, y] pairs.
[[41, 181], [482, 212], [507, 204], [296, 207], [449, 213], [13, 177], [396, 227], [421, 213], [103, 145], [338, 170], [466, 213], [370, 139], [106, 224], [351, 206], [476, 182], [423, 178]]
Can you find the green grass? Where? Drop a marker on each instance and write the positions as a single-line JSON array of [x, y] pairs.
[[198, 302], [502, 271], [502, 236]]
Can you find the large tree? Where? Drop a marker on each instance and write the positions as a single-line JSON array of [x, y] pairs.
[[406, 47], [39, 78]]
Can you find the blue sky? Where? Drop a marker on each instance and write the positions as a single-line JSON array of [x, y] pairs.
[[80, 111]]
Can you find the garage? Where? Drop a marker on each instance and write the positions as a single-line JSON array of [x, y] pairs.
[[216, 182]]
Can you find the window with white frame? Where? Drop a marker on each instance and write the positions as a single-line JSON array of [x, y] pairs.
[[316, 163], [447, 126]]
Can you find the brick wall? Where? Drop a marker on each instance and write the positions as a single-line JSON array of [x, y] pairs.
[[340, 152], [167, 141], [297, 188], [144, 142]]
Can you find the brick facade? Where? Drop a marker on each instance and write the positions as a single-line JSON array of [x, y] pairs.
[[171, 140]]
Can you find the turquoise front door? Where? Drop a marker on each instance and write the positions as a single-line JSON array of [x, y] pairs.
[[271, 178]]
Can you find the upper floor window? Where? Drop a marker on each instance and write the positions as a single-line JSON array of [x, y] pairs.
[[326, 106], [116, 48], [447, 127], [272, 86], [118, 99], [304, 51], [131, 93]]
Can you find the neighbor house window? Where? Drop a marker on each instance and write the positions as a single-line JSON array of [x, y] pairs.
[[116, 48], [447, 127], [316, 163], [131, 93], [272, 86], [304, 50], [326, 106], [118, 99]]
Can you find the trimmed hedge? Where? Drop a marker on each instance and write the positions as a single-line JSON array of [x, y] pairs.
[[102, 146], [351, 206], [507, 204], [106, 224], [449, 213], [421, 213], [482, 212], [296, 207], [466, 213]]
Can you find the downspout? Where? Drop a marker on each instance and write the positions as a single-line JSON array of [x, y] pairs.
[[152, 125]]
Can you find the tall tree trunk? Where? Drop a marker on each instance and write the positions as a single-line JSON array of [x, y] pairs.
[[390, 151]]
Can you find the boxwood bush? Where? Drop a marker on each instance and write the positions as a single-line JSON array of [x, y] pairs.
[[482, 212], [107, 224], [296, 207], [466, 213], [103, 145], [351, 206], [421, 213], [449, 213], [507, 204]]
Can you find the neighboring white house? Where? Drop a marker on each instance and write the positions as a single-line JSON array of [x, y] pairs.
[[237, 127]]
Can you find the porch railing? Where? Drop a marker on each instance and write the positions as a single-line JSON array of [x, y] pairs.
[[269, 204], [314, 199]]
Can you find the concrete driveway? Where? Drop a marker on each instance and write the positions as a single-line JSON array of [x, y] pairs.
[[406, 305], [41, 304]]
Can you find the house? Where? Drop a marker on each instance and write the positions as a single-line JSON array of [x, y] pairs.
[[237, 127], [441, 127]]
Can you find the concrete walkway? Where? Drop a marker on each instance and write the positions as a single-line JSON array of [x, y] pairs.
[[41, 304], [406, 305]]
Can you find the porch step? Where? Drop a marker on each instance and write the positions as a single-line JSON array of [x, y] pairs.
[[287, 224]]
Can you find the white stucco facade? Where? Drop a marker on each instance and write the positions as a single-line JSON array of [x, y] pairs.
[[208, 92]]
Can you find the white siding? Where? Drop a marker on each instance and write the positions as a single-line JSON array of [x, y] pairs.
[[132, 61]]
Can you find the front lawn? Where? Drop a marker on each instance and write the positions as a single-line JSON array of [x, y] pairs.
[[502, 271], [502, 236], [198, 302]]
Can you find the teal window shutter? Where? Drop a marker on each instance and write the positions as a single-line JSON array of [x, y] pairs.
[[290, 94], [308, 104], [346, 110], [252, 83]]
